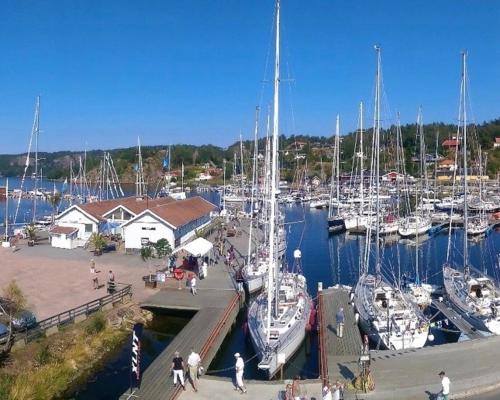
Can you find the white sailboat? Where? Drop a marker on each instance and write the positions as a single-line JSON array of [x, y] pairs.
[[385, 314], [278, 317], [472, 293]]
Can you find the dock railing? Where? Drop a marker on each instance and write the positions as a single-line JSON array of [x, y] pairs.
[[69, 316], [323, 361]]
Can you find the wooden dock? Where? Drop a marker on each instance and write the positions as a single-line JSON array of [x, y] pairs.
[[456, 319], [216, 307], [338, 356]]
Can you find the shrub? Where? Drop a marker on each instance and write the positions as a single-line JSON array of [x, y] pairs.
[[96, 324]]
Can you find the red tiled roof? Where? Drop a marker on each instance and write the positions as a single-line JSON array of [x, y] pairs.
[[181, 212], [100, 208], [63, 230], [451, 142], [497, 140]]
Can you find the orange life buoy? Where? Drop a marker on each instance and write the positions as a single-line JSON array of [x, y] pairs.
[[178, 274]]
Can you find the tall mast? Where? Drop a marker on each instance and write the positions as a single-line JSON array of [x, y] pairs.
[[7, 209], [36, 132], [254, 182], [361, 155], [241, 166], [139, 182], [464, 152], [273, 265], [377, 162], [337, 158]]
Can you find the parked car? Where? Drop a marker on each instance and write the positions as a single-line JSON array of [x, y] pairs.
[[4, 333], [23, 320]]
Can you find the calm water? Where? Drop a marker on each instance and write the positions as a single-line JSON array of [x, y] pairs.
[[112, 380]]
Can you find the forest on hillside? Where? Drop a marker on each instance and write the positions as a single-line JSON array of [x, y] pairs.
[[317, 150]]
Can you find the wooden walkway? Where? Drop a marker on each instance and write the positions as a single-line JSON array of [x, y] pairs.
[[337, 355], [216, 307], [456, 319]]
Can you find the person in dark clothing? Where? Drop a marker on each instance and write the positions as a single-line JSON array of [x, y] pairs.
[[340, 319], [177, 368]]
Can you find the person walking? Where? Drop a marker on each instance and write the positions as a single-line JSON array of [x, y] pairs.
[[239, 366], [192, 283], [194, 362], [327, 392], [296, 388], [93, 274], [340, 318], [445, 386], [337, 391], [177, 368]]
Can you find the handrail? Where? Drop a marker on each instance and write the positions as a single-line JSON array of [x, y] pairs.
[[323, 361], [69, 315]]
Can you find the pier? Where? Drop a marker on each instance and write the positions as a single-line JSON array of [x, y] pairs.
[[215, 309], [467, 330], [338, 356], [472, 365]]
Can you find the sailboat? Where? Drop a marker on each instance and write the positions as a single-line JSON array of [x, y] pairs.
[[473, 294], [278, 317], [385, 314], [420, 222]]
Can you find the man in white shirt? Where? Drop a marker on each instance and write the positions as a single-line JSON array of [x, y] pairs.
[[194, 361], [240, 366], [445, 386], [193, 285]]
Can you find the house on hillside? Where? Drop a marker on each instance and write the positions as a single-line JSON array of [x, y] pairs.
[[392, 176], [177, 222], [496, 143], [297, 145], [447, 165], [451, 143]]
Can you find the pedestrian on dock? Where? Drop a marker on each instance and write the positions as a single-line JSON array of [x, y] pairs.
[[239, 366], [177, 368], [327, 391], [297, 389], [337, 390], [192, 283], [445, 386], [340, 319], [194, 363]]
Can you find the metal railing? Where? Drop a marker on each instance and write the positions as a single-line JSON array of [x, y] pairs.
[[323, 358], [68, 316]]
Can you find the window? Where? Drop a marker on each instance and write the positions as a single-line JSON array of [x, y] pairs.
[[88, 228], [144, 241], [148, 228]]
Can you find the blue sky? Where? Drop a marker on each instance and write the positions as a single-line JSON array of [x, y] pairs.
[[191, 71]]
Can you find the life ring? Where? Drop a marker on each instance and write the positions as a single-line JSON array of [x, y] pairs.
[[178, 274]]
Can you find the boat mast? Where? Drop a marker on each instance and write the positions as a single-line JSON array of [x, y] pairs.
[[36, 131], [7, 209], [337, 158], [273, 264], [139, 180], [377, 163], [361, 155], [254, 182], [464, 152]]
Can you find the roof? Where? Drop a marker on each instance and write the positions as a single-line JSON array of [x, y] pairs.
[[446, 162], [451, 142], [63, 230], [198, 247], [136, 205], [497, 140], [179, 213]]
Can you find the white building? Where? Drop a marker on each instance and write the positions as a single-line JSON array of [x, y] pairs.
[[137, 219], [176, 221]]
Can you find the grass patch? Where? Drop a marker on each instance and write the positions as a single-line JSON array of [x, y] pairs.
[[53, 367]]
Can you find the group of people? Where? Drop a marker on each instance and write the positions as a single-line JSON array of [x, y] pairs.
[[194, 369], [94, 273]]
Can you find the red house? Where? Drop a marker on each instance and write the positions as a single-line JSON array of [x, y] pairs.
[[451, 144]]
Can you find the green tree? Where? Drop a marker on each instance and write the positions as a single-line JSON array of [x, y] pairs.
[[15, 301], [98, 242], [54, 201], [162, 248], [31, 231], [147, 253]]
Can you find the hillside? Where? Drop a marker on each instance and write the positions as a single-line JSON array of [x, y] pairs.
[[56, 165]]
